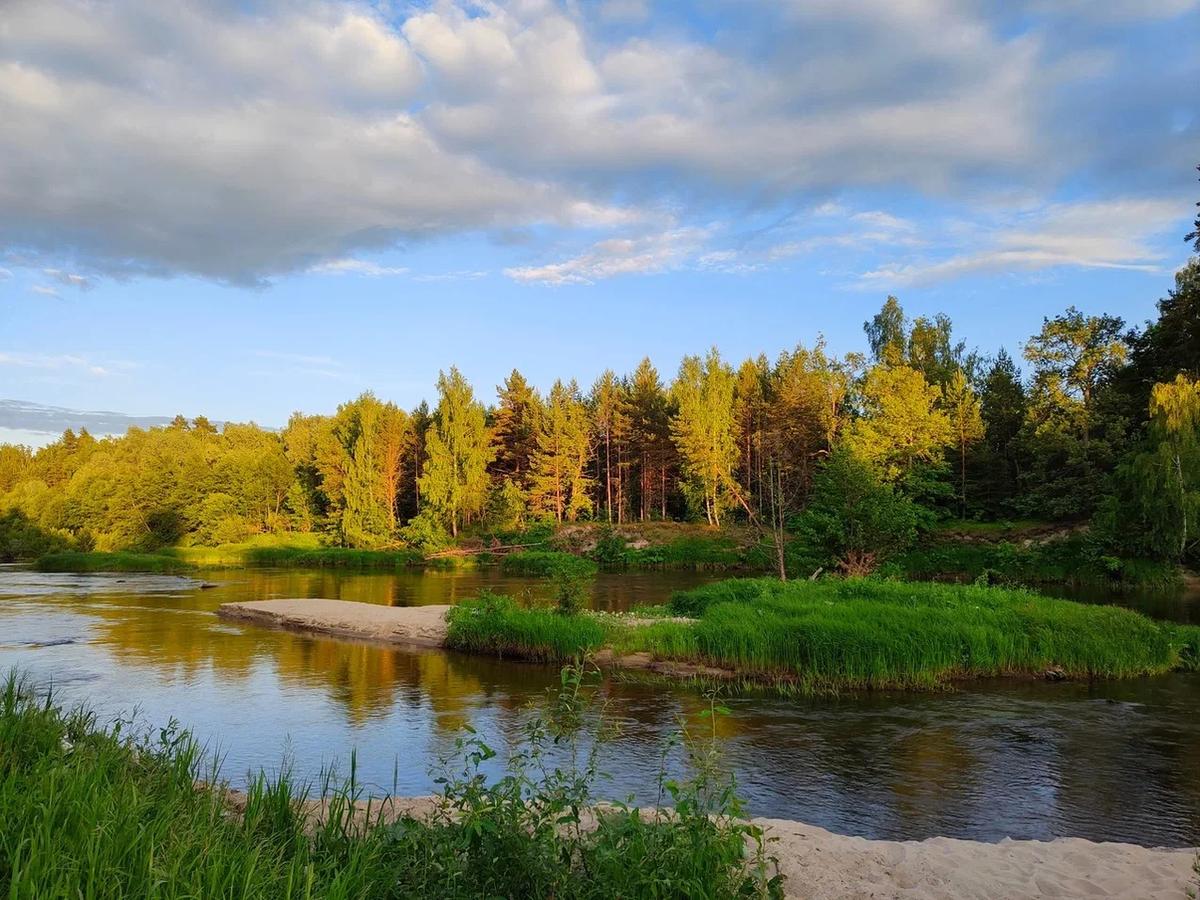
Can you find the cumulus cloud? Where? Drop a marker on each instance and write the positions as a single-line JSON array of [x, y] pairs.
[[238, 141]]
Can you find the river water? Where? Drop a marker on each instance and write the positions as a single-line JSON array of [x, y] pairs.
[[1115, 761]]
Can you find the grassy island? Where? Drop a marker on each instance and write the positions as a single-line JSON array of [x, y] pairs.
[[833, 634]]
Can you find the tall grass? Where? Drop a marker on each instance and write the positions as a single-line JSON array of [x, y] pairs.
[[78, 561], [90, 812], [852, 634], [497, 626], [868, 633]]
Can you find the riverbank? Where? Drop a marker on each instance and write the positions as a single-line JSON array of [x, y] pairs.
[[106, 812], [818, 864], [820, 636]]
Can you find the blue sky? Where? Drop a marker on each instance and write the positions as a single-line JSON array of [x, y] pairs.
[[242, 209]]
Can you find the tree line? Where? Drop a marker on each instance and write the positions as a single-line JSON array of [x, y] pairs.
[[1104, 425]]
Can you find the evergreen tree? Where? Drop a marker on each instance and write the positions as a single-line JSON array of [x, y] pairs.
[[514, 429], [704, 429], [1004, 407], [651, 447], [610, 415], [458, 451]]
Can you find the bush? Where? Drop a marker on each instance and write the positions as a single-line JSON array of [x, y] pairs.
[[21, 538], [853, 521], [425, 533]]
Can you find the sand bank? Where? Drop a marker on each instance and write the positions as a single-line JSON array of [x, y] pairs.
[[422, 626], [820, 865], [826, 866]]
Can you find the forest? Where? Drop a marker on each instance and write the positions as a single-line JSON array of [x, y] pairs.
[[850, 457]]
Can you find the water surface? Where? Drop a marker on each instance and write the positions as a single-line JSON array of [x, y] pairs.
[[1114, 761]]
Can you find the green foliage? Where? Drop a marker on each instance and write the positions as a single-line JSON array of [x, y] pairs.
[[903, 425], [545, 564], [559, 484], [22, 539], [854, 521], [76, 561], [865, 633], [107, 813], [1076, 559], [495, 625], [425, 532], [705, 432], [454, 481]]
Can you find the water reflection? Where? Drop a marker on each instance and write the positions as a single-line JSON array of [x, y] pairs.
[[1117, 761]]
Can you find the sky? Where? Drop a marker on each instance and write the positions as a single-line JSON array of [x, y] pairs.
[[241, 209]]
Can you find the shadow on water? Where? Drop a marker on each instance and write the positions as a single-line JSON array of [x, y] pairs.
[[1114, 761]]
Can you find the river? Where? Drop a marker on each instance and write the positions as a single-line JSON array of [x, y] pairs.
[[1113, 761]]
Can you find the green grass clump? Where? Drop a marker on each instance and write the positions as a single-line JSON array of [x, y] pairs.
[[496, 625], [545, 564], [868, 633], [77, 561], [92, 812]]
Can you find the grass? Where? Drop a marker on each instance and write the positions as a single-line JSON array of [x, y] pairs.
[[832, 634], [1062, 561], [78, 561], [545, 563], [91, 811], [496, 626], [187, 559]]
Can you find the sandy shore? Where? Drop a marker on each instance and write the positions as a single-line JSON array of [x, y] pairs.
[[820, 865], [421, 626], [825, 866]]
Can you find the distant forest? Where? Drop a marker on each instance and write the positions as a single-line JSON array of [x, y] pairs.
[[1098, 422]]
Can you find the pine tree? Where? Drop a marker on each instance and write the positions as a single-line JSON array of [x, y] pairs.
[[704, 429], [610, 415], [514, 429], [458, 450], [651, 446], [560, 485]]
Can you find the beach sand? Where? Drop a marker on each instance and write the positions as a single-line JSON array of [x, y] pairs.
[[421, 626]]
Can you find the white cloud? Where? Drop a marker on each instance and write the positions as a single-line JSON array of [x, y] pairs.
[[61, 362], [617, 256], [357, 267], [45, 290], [236, 142], [69, 279], [1097, 235]]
